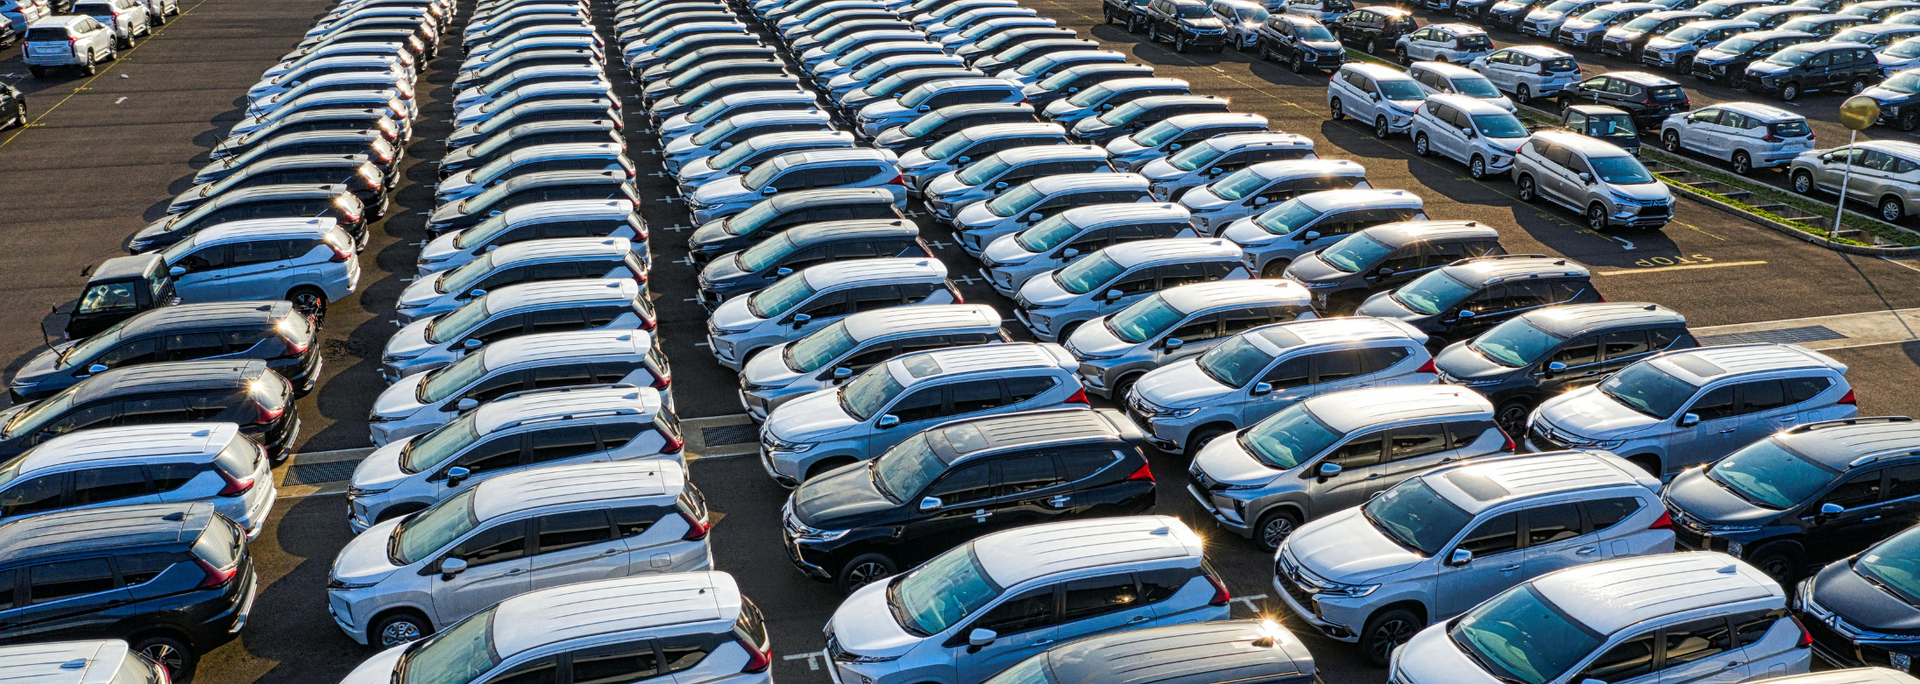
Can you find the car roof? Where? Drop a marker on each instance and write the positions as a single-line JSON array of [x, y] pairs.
[[125, 267], [239, 195], [1014, 556], [553, 150], [1308, 167], [293, 226], [1447, 69], [783, 139], [1841, 444], [851, 154], [520, 130], [987, 131], [171, 376], [1664, 15], [1098, 215], [1457, 28], [563, 485], [302, 161], [1482, 483], [1773, 33], [580, 292], [1506, 267], [556, 248], [951, 361], [1022, 429], [1137, 252], [1570, 320], [791, 200], [1152, 101], [573, 611], [1358, 409], [813, 233], [1403, 232], [57, 21], [1609, 596], [206, 315], [1331, 200], [323, 135], [776, 116], [541, 347], [1153, 81], [795, 95], [1537, 51], [1030, 153], [132, 442], [1199, 296], [1470, 105], [94, 529], [569, 209], [1188, 121], [567, 403], [1701, 365], [1642, 78], [1911, 150], [1062, 182], [1312, 331], [1195, 653], [897, 320], [967, 82], [1886, 28], [94, 661], [834, 274], [1231, 141], [1378, 72]]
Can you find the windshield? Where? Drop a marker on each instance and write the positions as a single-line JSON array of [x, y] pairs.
[[1432, 293], [1090, 96], [1355, 253], [1157, 133], [733, 156], [1894, 564], [1770, 475], [1611, 126], [941, 593], [1125, 114], [1047, 234], [38, 414], [459, 279], [436, 447], [1907, 83], [1192, 11], [750, 220], [1905, 49], [1290, 216], [812, 352], [925, 124], [892, 84], [1599, 16], [1235, 362], [1621, 170], [905, 469], [948, 146], [1238, 185], [450, 326], [1736, 45], [1015, 201], [1563, 5], [1416, 516], [92, 346], [433, 529], [1251, 15], [1196, 157], [1646, 388], [483, 233], [1502, 125], [1144, 319], [758, 178], [1402, 90], [982, 171], [784, 294], [1519, 636], [1475, 86], [1080, 277], [442, 382], [758, 257], [456, 656], [1289, 438], [1790, 57], [1313, 32], [1515, 343], [919, 94], [716, 132], [869, 393], [1642, 23], [1686, 34]]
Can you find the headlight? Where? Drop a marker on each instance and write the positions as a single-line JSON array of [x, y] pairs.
[[1246, 487], [1610, 444], [356, 492], [1179, 413], [1348, 590], [1320, 286], [377, 418], [821, 536], [851, 658], [754, 386], [339, 585], [789, 447]]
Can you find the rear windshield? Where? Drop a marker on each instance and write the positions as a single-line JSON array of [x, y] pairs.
[[239, 459], [1790, 129], [752, 626], [219, 546], [47, 35], [1561, 64], [1669, 94]]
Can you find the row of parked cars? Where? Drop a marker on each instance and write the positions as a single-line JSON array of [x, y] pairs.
[[82, 34]]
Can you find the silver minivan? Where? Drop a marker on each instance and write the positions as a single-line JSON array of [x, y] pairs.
[[1606, 184], [1011, 260], [210, 462], [848, 347], [818, 295], [534, 260], [1186, 404], [537, 221], [988, 177], [512, 311], [1886, 173], [1249, 190], [1748, 134], [307, 261], [1206, 161], [1177, 323], [1053, 304]]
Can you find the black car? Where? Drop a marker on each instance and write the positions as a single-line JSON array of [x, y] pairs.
[[1499, 13], [1825, 66], [174, 580], [946, 121], [308, 200], [224, 391], [1129, 13], [1603, 122], [1186, 24], [1865, 610], [1547, 351], [13, 107], [952, 483], [1471, 295], [1301, 43], [273, 331], [1646, 97], [1899, 98], [314, 120], [785, 210], [354, 171], [118, 289], [1727, 61], [754, 268], [1807, 494], [1067, 83], [1370, 29], [528, 135]]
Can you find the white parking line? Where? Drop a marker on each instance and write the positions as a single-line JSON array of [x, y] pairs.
[[813, 658], [1688, 267]]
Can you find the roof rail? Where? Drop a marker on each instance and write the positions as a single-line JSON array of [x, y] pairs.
[[558, 390], [601, 413], [1810, 427]]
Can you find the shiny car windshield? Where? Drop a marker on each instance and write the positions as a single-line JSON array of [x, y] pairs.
[[1686, 34], [784, 294], [1090, 96], [1770, 475], [1906, 83], [1402, 89], [1475, 86], [1737, 45], [925, 124], [1619, 170], [1432, 293], [983, 170], [1235, 362], [1196, 157], [1015, 201], [436, 447], [716, 132], [812, 352], [1906, 49], [1290, 216], [1355, 253], [750, 220], [1313, 32], [734, 156], [1239, 184], [451, 325], [1084, 275], [1515, 343], [1416, 516], [948, 146], [869, 392], [1502, 125], [941, 593], [459, 279], [1895, 564], [1790, 56], [1289, 438], [433, 529], [442, 382], [458, 655], [1157, 133], [907, 468], [1124, 114], [1518, 636], [1046, 234], [769, 252], [1144, 319], [1646, 388]]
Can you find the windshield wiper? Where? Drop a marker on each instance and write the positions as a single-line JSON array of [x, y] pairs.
[[873, 472], [1485, 666]]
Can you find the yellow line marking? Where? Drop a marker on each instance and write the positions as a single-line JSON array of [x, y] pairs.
[[1721, 264], [35, 123]]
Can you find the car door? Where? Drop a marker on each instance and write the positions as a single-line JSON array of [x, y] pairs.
[[960, 515], [1764, 410], [1701, 652], [1286, 381], [1860, 523], [1411, 450], [1359, 458], [1497, 564], [916, 410], [1099, 605], [1032, 489], [257, 269], [1556, 538], [1194, 335], [204, 276], [1628, 661], [1833, 165], [497, 568], [67, 599], [1023, 624], [1708, 439], [110, 486], [576, 546]]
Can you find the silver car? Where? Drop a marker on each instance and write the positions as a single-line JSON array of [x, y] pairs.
[[819, 295], [993, 174], [1208, 160], [512, 311], [307, 261], [1886, 173], [1250, 190], [1178, 323], [1606, 184], [1011, 260], [1748, 134], [1054, 304], [836, 353], [1530, 71]]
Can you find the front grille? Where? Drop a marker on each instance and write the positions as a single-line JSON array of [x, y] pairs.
[[1833, 644], [835, 652], [1544, 436], [1288, 578], [1662, 211]]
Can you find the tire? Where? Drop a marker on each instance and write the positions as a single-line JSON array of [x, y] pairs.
[[1300, 67], [1275, 269], [1790, 92], [170, 653], [1180, 43], [1106, 16], [1066, 331], [1123, 386], [1523, 94], [1684, 65], [310, 301], [1274, 528], [1779, 561], [1200, 439], [1909, 120], [1671, 141], [1525, 188], [1382, 129], [1891, 210], [1477, 167], [1856, 86], [1335, 111], [1153, 33], [1404, 57], [1596, 217], [1742, 162], [1512, 414], [1133, 24], [398, 627], [1803, 182], [864, 569], [1387, 630], [1421, 146], [91, 67], [1373, 46]]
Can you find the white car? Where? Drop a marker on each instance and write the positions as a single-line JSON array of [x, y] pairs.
[[1747, 134], [816, 296], [1529, 71], [1470, 131], [1380, 96], [1251, 190], [1450, 43], [1438, 78]]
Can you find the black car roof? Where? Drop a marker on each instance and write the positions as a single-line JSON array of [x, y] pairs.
[[957, 441], [98, 529], [179, 376], [1205, 653], [1578, 319], [1840, 443], [210, 315], [127, 267]]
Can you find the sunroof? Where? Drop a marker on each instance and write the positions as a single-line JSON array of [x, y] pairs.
[[1698, 366], [1476, 486]]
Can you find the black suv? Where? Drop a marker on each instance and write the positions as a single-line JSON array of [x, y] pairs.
[[955, 482], [361, 177], [1370, 29], [1842, 67], [1544, 352], [1129, 13], [945, 121], [223, 391], [785, 210], [1067, 83], [1471, 295], [174, 580], [752, 269], [1186, 24], [1865, 610], [334, 201], [1808, 494], [1899, 98], [1603, 122], [1726, 62], [273, 331], [1649, 98], [1301, 43]]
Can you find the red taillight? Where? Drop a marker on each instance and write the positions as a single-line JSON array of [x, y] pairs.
[[1806, 637], [696, 529], [1664, 523], [660, 382], [1772, 138], [957, 297], [674, 443], [757, 659], [340, 254], [648, 323], [268, 415], [1849, 400], [640, 278], [294, 349], [1220, 594], [235, 485], [1079, 397], [1510, 445], [1428, 367], [382, 155], [406, 95], [216, 576], [898, 180], [1144, 474]]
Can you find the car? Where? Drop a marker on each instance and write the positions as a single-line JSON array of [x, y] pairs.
[[1255, 651], [1490, 289], [1590, 28], [1054, 304], [392, 131], [1823, 66], [504, 86], [1025, 205], [116, 290], [538, 307], [1899, 97], [863, 57], [933, 126], [1213, 158], [1318, 10], [523, 60], [768, 217], [274, 331], [1016, 604], [307, 261], [388, 100], [1134, 117], [1484, 136], [1648, 97], [819, 169], [1369, 29], [1677, 48], [645, 57], [996, 42], [693, 122], [1628, 38], [1379, 95], [1727, 61], [842, 86], [1824, 25], [961, 21], [1077, 464], [1877, 36], [144, 464], [898, 84], [920, 167], [1009, 261], [1879, 10], [504, 33], [1135, 151], [1300, 42], [1066, 82], [1448, 43], [1546, 352], [707, 72], [1608, 185], [1056, 63], [596, 88], [1507, 14], [755, 151], [243, 393], [995, 174], [127, 18], [1545, 20], [1105, 96], [850, 346], [1605, 123], [369, 143], [76, 41], [368, 181], [1442, 78], [983, 31], [1243, 19], [502, 142], [666, 30], [1749, 135], [846, 36], [389, 65], [1242, 193], [521, 262], [397, 82], [710, 91], [814, 297], [881, 115], [1778, 386], [1177, 323], [1185, 23], [1528, 71], [1312, 239], [335, 203], [753, 269], [540, 186], [531, 160], [723, 135], [13, 107], [185, 586], [23, 13], [1844, 617]]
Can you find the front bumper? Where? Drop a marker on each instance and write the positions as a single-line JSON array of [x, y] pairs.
[[1223, 515], [1308, 608]]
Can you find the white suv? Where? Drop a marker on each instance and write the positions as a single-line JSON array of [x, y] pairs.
[[819, 295], [1178, 323], [836, 353], [1444, 540], [1380, 96], [512, 311], [1468, 130], [1748, 134], [515, 533], [1053, 304], [68, 40]]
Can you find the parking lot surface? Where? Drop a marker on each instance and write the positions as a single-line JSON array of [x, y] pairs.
[[104, 154]]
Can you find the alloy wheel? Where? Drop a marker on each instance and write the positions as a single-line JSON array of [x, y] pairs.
[[399, 632], [1389, 634], [865, 573]]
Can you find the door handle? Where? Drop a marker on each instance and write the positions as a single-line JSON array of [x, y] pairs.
[[1043, 642], [1060, 501], [1732, 664], [1727, 431], [1584, 550], [1510, 568], [515, 571], [982, 515], [1870, 519], [609, 552], [1137, 619]]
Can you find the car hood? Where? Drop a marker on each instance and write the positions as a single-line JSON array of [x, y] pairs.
[[813, 417], [1123, 145], [192, 194], [1224, 460], [1431, 658], [696, 170], [1711, 56], [1245, 233], [1380, 305], [1042, 290], [769, 368], [837, 499], [41, 367], [721, 191], [708, 233], [1701, 498], [379, 668], [1309, 268], [419, 293], [1766, 68], [1345, 548], [916, 160], [1090, 126], [1160, 170], [1624, 32], [945, 184], [1006, 251], [1058, 108], [1460, 362], [1180, 385], [1325, 45], [864, 624], [1588, 413], [440, 247], [1892, 63], [885, 109], [380, 470], [681, 146], [1842, 590], [1644, 191], [364, 559], [455, 184], [157, 228], [722, 270], [1093, 338], [1662, 44], [733, 314], [400, 399], [1578, 25], [1885, 95], [446, 212], [411, 340], [892, 138], [1202, 199], [976, 215]]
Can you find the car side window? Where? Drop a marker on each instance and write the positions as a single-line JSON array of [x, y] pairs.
[[976, 395], [79, 419], [1762, 395], [1624, 343], [1716, 403], [129, 353], [1802, 389], [555, 320], [135, 568], [615, 663], [56, 581], [1023, 388], [504, 542], [1289, 373], [829, 304], [191, 346], [1552, 523], [1859, 490], [632, 521], [1417, 441], [562, 531], [1579, 352], [1751, 627], [876, 297], [1205, 327], [565, 375], [97, 485], [1696, 640], [1030, 610], [542, 671], [1336, 365], [966, 484], [256, 252], [1027, 472], [1095, 596], [566, 442], [32, 496], [1498, 534], [202, 260], [1359, 452], [923, 404], [1632, 658], [1903, 481], [495, 454]]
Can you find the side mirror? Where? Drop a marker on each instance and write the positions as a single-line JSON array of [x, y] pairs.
[[470, 344], [491, 248], [1105, 107], [467, 404], [801, 319], [726, 146], [744, 168], [842, 373], [1215, 171], [1174, 147], [476, 292], [176, 271], [931, 503], [452, 566], [1470, 133], [1069, 253], [888, 421], [457, 474], [1460, 557], [1467, 313], [1376, 97], [1586, 178], [924, 108], [96, 368], [1832, 509], [1310, 235], [1555, 366], [1034, 217], [1173, 343], [1112, 295], [1689, 419], [1260, 201], [1262, 388], [1328, 470], [767, 190], [495, 212], [783, 271], [1384, 271], [963, 160], [1002, 185], [981, 637]]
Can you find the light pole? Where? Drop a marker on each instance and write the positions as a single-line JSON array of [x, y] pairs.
[[1857, 114]]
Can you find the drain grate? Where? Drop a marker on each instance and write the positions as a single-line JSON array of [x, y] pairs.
[[319, 473], [722, 435], [1800, 335]]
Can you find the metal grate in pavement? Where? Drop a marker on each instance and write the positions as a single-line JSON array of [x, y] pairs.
[[730, 434], [319, 473], [1800, 335]]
